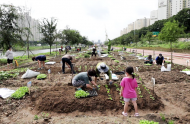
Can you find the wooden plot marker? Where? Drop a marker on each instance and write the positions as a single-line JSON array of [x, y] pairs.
[[137, 69], [153, 83], [187, 62], [49, 72], [29, 84]]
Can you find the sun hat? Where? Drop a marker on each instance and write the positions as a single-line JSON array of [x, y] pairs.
[[102, 67]]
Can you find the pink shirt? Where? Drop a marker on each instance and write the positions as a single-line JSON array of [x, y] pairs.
[[129, 86]]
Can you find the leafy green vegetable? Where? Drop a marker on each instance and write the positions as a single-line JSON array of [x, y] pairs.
[[81, 93], [19, 93], [5, 75], [116, 61], [147, 122], [186, 69], [41, 76], [147, 64]]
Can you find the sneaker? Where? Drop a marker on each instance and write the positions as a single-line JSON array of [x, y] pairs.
[[124, 114], [63, 72], [136, 114], [39, 68]]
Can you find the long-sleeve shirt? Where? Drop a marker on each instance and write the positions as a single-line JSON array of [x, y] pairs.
[[98, 73], [9, 54]]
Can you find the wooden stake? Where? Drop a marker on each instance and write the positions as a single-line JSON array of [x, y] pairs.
[[143, 52], [49, 76]]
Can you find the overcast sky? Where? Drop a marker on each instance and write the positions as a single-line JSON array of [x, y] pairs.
[[90, 17]]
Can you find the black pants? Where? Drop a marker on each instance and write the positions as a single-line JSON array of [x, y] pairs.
[[159, 62], [94, 53], [67, 61], [147, 62]]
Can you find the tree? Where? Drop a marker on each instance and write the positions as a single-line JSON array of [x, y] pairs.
[[149, 37], [10, 32], [48, 29], [170, 32]]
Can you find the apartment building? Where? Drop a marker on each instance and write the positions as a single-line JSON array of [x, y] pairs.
[[130, 27], [153, 16], [140, 23], [28, 21]]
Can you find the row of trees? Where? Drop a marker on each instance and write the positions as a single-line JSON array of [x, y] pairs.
[[145, 34], [12, 34]]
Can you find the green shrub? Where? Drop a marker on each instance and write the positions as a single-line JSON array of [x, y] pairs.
[[168, 62], [41, 76]]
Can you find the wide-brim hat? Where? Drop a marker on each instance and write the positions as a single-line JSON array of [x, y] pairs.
[[102, 67]]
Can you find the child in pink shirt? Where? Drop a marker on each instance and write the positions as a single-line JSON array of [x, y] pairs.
[[128, 90]]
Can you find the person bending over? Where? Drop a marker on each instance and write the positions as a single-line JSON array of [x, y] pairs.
[[94, 51], [149, 60], [82, 80], [68, 60], [41, 60], [103, 68]]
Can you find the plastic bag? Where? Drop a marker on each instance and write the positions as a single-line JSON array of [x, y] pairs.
[[163, 69], [168, 67], [30, 74]]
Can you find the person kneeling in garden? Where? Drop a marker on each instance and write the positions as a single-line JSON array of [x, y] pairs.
[[82, 79], [129, 89], [148, 60], [41, 60], [160, 60], [103, 68]]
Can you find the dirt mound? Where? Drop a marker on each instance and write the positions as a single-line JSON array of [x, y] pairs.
[[61, 99], [165, 77]]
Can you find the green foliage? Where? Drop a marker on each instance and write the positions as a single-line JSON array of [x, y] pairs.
[[148, 64], [10, 33], [116, 61], [147, 122], [19, 93], [48, 29], [6, 75], [170, 122], [170, 32], [86, 56], [149, 36], [81, 93], [41, 76], [36, 117], [186, 69], [168, 62], [163, 117]]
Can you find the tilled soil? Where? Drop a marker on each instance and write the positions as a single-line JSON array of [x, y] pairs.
[[61, 99]]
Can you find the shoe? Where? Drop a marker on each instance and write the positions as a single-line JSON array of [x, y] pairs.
[[124, 114], [63, 72], [136, 114], [39, 68]]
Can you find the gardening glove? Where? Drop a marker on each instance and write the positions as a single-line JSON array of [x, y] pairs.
[[101, 78], [111, 82], [79, 89], [163, 64], [97, 87]]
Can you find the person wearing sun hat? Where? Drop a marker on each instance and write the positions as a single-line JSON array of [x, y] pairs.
[[103, 68]]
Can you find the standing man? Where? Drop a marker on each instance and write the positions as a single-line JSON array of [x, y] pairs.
[[68, 60], [94, 51], [103, 68], [160, 60], [9, 55], [41, 59]]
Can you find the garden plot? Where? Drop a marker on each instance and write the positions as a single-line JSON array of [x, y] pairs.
[[56, 100], [55, 97], [164, 77]]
